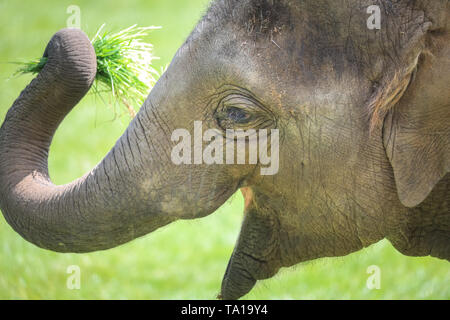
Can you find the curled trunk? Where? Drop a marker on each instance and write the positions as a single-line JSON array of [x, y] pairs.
[[104, 208]]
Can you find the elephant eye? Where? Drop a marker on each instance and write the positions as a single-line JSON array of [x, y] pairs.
[[238, 115], [238, 111], [231, 117]]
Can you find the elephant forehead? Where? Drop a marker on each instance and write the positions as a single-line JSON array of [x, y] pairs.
[[260, 17], [295, 59]]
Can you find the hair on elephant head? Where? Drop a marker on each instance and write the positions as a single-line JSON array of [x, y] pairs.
[[362, 121]]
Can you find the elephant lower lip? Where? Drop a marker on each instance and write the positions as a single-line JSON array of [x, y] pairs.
[[224, 195], [241, 183]]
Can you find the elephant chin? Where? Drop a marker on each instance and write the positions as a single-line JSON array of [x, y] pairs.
[[256, 255]]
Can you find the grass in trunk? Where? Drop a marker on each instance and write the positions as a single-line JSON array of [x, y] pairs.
[[124, 66]]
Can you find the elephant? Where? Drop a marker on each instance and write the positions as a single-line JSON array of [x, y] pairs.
[[362, 116]]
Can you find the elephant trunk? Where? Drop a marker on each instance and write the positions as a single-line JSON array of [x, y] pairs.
[[112, 204]]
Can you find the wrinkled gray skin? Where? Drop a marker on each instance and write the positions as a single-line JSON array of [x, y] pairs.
[[364, 124]]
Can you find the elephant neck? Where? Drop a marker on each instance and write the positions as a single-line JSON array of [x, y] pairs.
[[424, 230]]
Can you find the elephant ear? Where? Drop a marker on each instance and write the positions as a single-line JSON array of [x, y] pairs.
[[416, 132]]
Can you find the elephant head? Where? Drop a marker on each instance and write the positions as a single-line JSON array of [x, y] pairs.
[[361, 118]]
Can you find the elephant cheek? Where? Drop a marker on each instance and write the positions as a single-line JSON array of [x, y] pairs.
[[255, 257]]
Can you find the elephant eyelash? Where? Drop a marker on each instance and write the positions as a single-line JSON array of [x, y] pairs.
[[239, 112]]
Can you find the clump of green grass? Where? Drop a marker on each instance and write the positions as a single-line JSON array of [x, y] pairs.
[[124, 65], [33, 66]]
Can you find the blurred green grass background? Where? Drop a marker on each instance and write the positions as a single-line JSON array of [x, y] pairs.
[[187, 259]]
